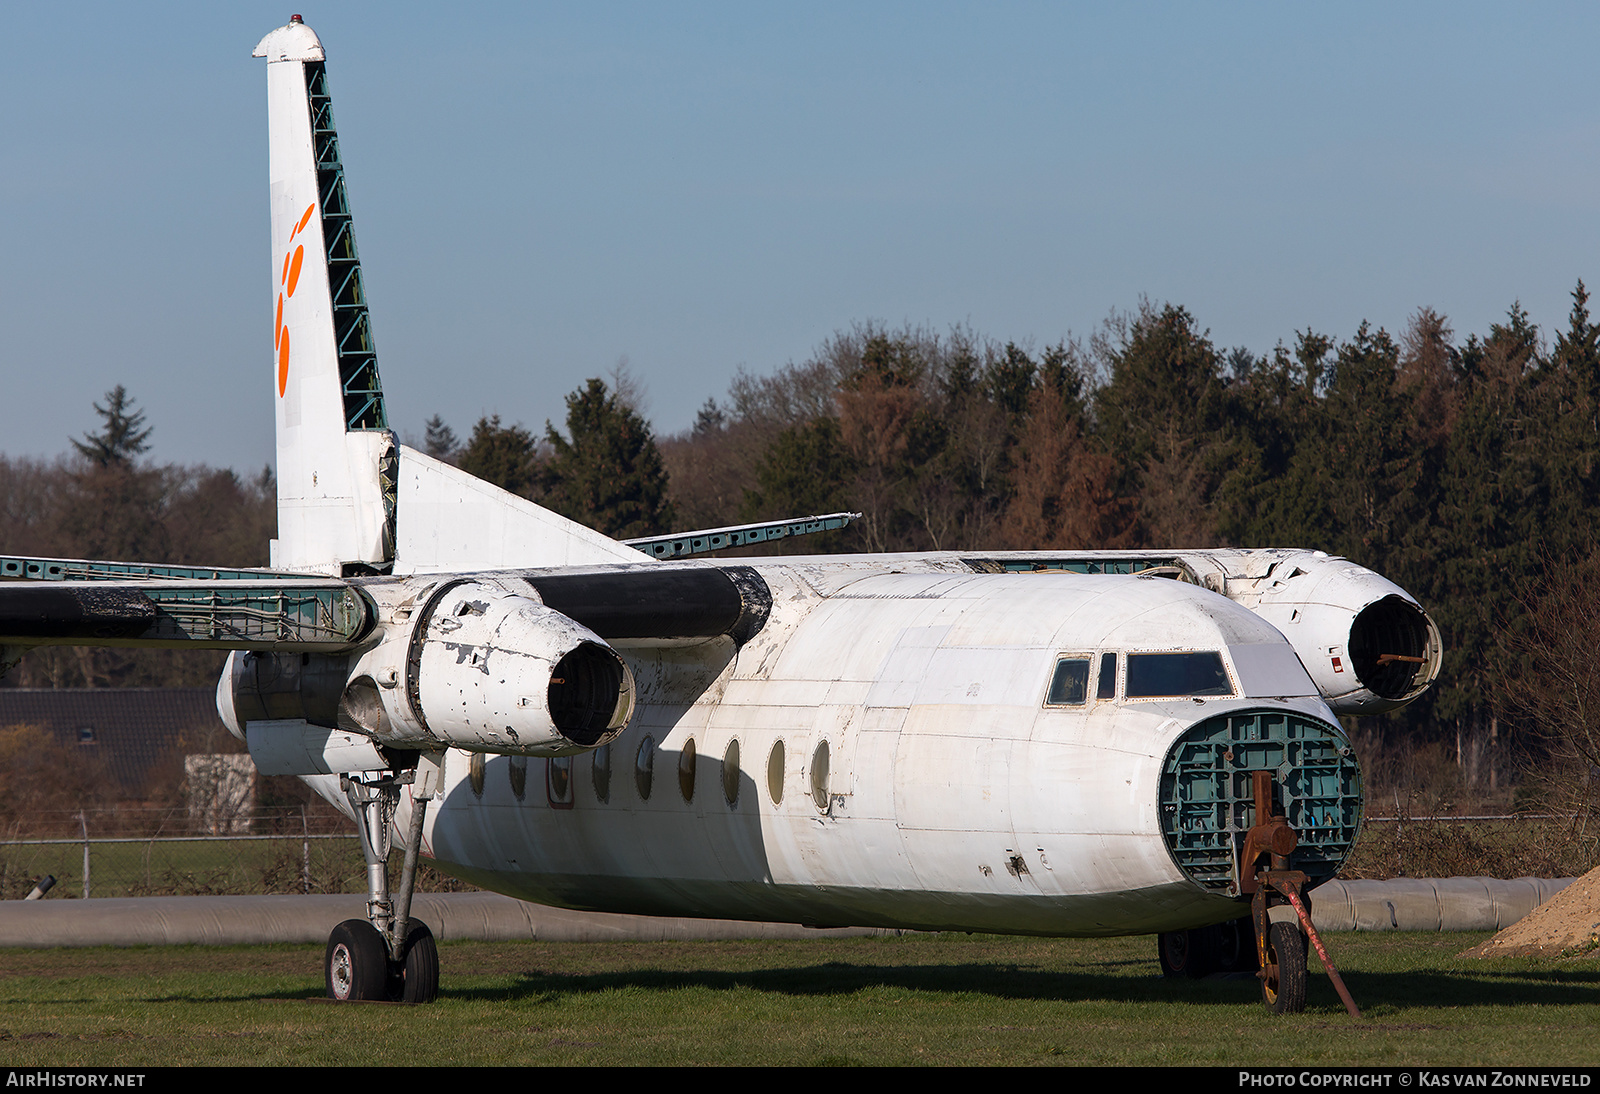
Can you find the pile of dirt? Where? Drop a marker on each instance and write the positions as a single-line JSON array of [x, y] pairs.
[[1568, 922]]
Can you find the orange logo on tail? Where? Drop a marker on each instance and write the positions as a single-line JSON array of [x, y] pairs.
[[287, 283]]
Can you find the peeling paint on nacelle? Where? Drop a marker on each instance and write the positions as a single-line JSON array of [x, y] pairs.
[[485, 666], [475, 664]]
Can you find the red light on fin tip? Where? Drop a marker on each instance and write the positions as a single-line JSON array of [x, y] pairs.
[[296, 19]]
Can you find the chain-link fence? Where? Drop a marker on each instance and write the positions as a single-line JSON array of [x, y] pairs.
[[153, 852], [141, 851]]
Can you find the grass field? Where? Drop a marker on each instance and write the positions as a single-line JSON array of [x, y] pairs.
[[196, 867], [914, 1000]]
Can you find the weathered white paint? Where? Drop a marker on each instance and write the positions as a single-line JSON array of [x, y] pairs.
[[294, 747], [945, 809]]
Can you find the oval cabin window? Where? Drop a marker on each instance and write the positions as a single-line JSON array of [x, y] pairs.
[[775, 773]]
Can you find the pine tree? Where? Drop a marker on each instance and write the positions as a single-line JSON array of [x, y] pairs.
[[114, 509], [608, 473], [1161, 418], [503, 455], [804, 471], [1065, 495], [440, 441], [122, 437]]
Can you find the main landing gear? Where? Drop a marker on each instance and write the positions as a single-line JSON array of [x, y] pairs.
[[1196, 954], [387, 956]]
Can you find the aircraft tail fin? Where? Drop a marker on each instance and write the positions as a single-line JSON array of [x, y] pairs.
[[341, 509], [336, 457]]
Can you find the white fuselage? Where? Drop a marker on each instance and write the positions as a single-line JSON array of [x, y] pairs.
[[880, 754]]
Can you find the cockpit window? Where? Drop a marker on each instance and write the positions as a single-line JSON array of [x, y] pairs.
[[1173, 675], [1069, 687], [1106, 688]]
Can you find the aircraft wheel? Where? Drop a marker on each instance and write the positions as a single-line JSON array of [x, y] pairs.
[[1283, 989], [1188, 953], [357, 962], [416, 975], [1236, 946]]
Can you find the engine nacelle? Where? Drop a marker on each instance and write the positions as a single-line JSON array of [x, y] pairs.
[[1368, 646], [493, 670], [481, 665]]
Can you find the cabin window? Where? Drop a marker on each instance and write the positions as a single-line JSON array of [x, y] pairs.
[[1177, 675], [518, 769], [686, 770], [819, 776], [730, 773], [475, 773], [558, 781], [644, 767], [1069, 687], [775, 773], [600, 773], [1106, 688]]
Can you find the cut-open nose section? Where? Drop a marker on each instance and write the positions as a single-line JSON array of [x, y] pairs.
[[1207, 802]]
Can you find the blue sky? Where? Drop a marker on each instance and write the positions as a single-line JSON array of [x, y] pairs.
[[542, 190]]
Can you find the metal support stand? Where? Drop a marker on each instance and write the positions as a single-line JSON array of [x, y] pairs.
[[1272, 838]]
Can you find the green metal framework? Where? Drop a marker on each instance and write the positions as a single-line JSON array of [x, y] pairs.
[[81, 569], [322, 615], [1044, 564], [256, 617], [1207, 803], [680, 544], [148, 604], [352, 327]]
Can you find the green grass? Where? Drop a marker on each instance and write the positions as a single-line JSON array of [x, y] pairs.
[[183, 868], [199, 868], [916, 1000]]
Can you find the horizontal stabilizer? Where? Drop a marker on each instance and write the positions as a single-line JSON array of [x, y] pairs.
[[450, 521]]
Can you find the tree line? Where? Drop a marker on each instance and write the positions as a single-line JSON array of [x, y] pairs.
[[1464, 470]]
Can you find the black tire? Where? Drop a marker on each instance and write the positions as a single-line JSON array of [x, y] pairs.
[[1191, 954], [356, 966], [1284, 988], [416, 975], [1236, 946]]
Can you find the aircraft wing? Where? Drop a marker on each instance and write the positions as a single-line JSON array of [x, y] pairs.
[[90, 603], [307, 614]]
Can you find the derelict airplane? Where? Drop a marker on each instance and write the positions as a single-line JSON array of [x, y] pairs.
[[1051, 743]]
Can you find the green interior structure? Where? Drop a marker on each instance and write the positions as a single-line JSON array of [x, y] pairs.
[[1207, 803]]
